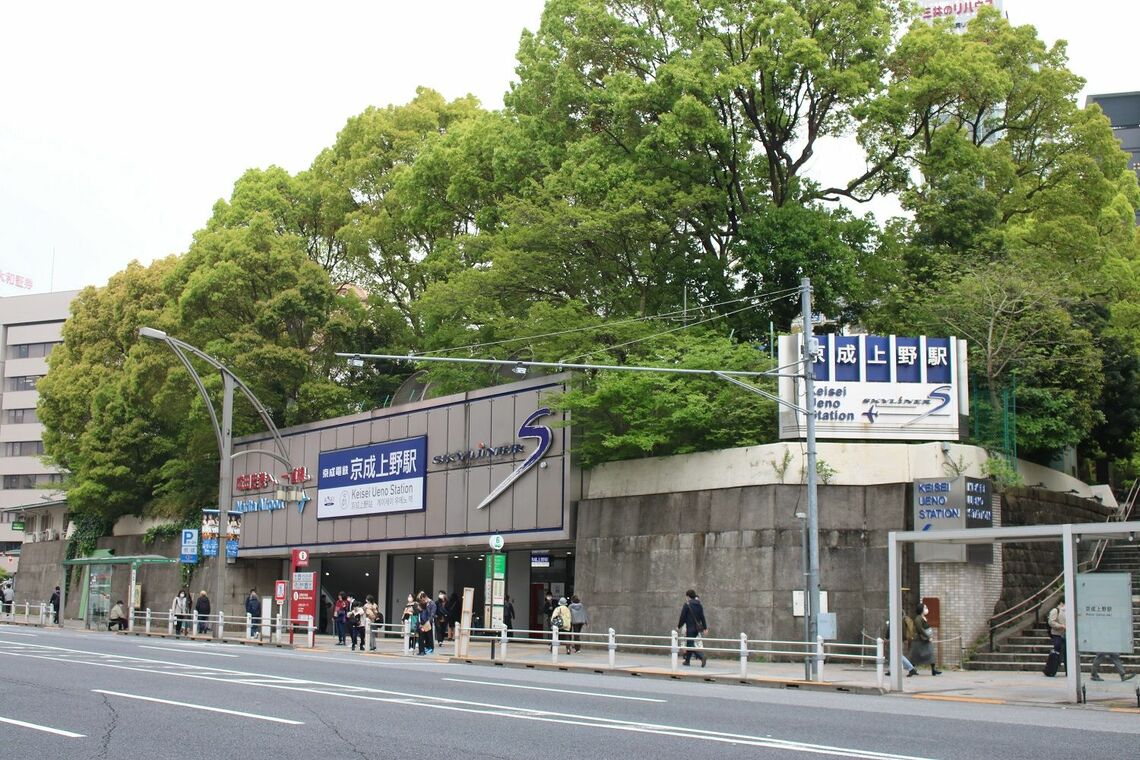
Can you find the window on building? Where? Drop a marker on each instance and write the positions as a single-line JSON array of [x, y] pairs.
[[19, 481], [23, 382], [30, 350], [45, 521], [20, 416], [23, 448]]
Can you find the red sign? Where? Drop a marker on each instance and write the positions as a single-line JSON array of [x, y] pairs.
[[280, 591], [304, 596], [296, 476], [254, 481], [300, 558]]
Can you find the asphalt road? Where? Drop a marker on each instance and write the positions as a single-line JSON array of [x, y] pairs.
[[67, 694]]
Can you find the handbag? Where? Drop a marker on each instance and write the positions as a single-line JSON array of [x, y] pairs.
[[425, 627]]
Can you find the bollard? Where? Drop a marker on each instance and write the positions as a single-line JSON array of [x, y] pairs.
[[819, 658], [744, 655], [879, 662], [673, 650], [503, 642], [221, 625], [553, 645], [193, 623], [27, 612], [407, 637], [248, 626], [371, 636], [280, 627], [311, 632], [170, 624], [611, 644], [147, 622], [43, 617]]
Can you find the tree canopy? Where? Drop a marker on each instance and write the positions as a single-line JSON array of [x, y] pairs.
[[649, 194]]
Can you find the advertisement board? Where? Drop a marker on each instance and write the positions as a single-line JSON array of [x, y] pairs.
[[210, 518], [380, 478], [304, 596], [233, 534], [962, 11], [877, 387]]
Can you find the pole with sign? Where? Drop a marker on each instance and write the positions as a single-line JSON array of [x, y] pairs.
[[189, 552], [495, 585]]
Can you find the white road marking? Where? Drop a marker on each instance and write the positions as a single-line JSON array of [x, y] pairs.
[[6, 632], [46, 729], [199, 707], [187, 651], [559, 691], [236, 677]]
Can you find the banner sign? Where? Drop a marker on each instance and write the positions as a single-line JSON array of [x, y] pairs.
[[371, 480], [233, 534], [953, 504], [962, 11], [189, 553], [210, 519], [881, 387]]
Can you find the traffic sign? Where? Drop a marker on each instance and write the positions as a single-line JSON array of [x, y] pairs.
[[189, 553], [280, 591]]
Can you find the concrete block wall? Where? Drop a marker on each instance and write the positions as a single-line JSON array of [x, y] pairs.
[[740, 548]]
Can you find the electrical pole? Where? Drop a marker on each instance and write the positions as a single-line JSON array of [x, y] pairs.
[[808, 353]]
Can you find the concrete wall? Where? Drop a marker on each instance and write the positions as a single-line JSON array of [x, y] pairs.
[[740, 549]]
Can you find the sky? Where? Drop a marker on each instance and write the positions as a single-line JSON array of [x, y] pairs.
[[122, 123]]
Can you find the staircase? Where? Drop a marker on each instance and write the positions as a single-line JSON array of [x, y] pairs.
[[1029, 650]]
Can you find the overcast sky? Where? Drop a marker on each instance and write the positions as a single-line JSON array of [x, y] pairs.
[[121, 123]]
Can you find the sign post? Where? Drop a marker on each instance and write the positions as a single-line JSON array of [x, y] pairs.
[[189, 552], [495, 590], [304, 598]]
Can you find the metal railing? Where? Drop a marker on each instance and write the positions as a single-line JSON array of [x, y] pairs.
[[277, 629], [28, 613], [1013, 617], [741, 648]]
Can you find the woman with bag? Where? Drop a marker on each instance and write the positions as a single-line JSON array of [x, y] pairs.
[[340, 617], [922, 649], [561, 619], [180, 610], [426, 622], [372, 616]]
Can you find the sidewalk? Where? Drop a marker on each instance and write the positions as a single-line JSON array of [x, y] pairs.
[[984, 687]]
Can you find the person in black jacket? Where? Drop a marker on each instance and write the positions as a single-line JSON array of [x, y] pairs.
[[202, 607], [693, 620]]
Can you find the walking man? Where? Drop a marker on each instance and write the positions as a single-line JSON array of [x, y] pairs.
[[693, 620], [1116, 663], [1057, 632]]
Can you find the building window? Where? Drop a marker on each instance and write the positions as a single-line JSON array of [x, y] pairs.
[[23, 382], [30, 350], [23, 448], [20, 416], [19, 481]]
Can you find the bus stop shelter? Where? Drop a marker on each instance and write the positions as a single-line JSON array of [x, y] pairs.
[[1068, 535], [133, 561]]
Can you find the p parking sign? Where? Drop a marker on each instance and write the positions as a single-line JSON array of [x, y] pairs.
[[189, 552]]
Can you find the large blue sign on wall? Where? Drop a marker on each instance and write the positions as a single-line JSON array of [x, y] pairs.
[[371, 480]]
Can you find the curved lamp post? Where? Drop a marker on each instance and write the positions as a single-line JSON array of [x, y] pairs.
[[223, 431]]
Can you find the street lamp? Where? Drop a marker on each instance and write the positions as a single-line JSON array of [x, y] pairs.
[[223, 432]]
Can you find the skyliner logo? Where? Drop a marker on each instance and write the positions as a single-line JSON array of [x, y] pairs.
[[527, 429]]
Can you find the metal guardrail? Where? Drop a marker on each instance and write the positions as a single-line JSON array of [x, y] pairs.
[[1013, 616], [741, 648], [27, 613], [277, 630]]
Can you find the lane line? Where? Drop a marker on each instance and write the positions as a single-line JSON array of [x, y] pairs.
[[187, 651], [46, 729], [558, 691], [199, 707], [6, 632], [467, 706]]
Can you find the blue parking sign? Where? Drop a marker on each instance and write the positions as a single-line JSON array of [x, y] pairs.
[[189, 555]]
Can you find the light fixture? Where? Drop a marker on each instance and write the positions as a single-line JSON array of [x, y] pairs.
[[355, 361], [326, 573], [365, 573], [1131, 536], [519, 369]]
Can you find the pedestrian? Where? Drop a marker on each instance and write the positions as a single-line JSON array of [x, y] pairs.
[[7, 596], [356, 623], [907, 629], [253, 609], [54, 602], [340, 617], [372, 617], [1056, 621], [202, 607], [441, 616], [454, 608], [323, 614], [179, 610], [693, 620], [562, 620], [508, 614], [922, 648], [1114, 658], [426, 623], [548, 611], [117, 617], [579, 618]]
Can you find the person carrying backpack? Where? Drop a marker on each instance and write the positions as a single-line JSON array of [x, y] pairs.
[[562, 620]]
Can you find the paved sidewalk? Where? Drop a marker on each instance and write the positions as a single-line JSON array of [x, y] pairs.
[[986, 687]]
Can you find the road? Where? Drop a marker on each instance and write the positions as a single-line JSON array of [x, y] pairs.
[[73, 694]]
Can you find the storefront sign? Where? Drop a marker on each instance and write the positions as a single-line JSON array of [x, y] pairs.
[[18, 526], [873, 387], [189, 553], [962, 11], [540, 560], [254, 481], [370, 480], [952, 504], [210, 532], [1104, 612]]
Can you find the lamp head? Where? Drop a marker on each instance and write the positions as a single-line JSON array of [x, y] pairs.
[[355, 361], [150, 332]]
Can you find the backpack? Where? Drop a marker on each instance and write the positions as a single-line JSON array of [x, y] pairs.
[[910, 633], [556, 621]]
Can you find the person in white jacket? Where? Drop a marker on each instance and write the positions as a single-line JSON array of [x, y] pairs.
[[180, 611]]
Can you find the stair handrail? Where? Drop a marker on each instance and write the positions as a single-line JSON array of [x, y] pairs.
[[1033, 602]]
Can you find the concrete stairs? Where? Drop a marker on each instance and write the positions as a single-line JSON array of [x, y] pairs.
[[1030, 649]]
